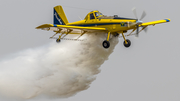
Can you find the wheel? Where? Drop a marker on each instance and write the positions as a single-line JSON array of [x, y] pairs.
[[106, 44], [128, 43], [58, 40]]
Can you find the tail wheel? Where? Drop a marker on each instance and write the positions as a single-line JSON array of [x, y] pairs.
[[58, 40], [128, 43], [106, 44]]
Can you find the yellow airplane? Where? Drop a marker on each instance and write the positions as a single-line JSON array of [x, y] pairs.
[[96, 21]]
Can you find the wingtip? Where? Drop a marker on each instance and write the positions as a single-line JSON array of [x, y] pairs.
[[168, 20], [36, 28], [46, 26]]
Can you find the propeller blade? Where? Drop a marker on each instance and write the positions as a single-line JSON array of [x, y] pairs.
[[143, 15], [137, 31], [134, 11], [138, 21], [146, 29]]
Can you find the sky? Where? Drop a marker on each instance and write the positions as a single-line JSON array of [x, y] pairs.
[[147, 71]]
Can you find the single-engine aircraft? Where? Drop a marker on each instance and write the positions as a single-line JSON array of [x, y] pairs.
[[96, 21]]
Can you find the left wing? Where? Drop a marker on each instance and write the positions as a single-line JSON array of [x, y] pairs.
[[56, 27], [155, 22]]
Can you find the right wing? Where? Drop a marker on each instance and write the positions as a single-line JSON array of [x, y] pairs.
[[155, 22]]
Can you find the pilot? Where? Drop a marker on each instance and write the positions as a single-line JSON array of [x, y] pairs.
[[92, 16]]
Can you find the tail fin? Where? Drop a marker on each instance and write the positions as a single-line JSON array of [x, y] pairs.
[[59, 16]]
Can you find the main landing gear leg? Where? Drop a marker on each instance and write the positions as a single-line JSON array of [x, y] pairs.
[[106, 43], [57, 32], [127, 42], [59, 39]]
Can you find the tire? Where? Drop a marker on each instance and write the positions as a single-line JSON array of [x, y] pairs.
[[128, 43], [58, 40], [106, 44]]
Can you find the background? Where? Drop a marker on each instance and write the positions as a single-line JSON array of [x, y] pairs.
[[147, 71]]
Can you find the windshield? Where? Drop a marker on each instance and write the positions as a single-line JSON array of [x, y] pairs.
[[98, 14]]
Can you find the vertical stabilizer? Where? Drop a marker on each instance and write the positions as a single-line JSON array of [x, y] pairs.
[[59, 16]]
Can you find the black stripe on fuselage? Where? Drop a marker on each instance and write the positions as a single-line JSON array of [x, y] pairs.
[[124, 18]]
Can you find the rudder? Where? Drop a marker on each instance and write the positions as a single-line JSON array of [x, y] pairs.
[[59, 16]]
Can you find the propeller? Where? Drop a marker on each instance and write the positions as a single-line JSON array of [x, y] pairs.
[[138, 22], [143, 15]]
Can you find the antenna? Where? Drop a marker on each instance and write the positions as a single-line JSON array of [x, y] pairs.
[[76, 7]]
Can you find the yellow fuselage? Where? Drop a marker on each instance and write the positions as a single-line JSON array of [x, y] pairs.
[[113, 25]]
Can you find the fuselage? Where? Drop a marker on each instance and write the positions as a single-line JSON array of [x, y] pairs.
[[112, 23]]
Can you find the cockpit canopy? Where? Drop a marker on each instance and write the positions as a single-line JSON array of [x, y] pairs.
[[93, 15], [98, 15]]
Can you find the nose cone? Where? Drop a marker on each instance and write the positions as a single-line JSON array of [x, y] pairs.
[[139, 22]]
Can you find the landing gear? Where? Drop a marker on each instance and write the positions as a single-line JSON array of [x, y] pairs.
[[106, 44], [58, 40], [128, 43]]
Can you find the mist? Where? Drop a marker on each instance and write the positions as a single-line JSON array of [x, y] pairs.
[[56, 70]]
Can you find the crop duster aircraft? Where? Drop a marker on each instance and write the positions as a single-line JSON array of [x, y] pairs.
[[97, 22]]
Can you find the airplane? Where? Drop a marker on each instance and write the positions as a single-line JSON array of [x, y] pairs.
[[95, 21]]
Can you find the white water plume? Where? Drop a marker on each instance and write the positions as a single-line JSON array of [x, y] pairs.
[[56, 70]]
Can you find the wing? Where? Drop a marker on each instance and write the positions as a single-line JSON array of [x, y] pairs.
[[155, 22], [71, 28]]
